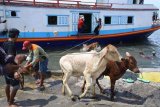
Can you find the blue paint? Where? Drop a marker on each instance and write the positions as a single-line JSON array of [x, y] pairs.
[[64, 34], [36, 34], [63, 44], [102, 41]]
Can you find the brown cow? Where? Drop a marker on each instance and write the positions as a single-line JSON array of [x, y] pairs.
[[116, 70], [19, 59]]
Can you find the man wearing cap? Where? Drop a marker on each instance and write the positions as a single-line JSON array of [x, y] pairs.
[[37, 55]]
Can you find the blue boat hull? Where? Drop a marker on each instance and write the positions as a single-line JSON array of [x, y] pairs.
[[77, 41], [103, 41]]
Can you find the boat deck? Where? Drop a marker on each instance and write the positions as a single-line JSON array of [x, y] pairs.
[[59, 4]]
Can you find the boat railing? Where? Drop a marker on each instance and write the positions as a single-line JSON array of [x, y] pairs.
[[59, 4]]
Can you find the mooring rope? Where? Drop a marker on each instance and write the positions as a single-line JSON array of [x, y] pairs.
[[72, 48], [77, 45]]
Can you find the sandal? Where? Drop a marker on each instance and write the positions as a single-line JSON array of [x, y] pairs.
[[129, 80], [143, 80]]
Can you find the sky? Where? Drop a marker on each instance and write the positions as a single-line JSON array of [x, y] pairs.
[[155, 2]]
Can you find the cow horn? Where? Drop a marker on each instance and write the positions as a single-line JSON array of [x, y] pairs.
[[128, 54]]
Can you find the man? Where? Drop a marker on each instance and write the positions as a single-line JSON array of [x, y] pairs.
[[8, 69], [9, 46], [10, 49], [98, 27], [80, 24], [36, 55], [4, 31]]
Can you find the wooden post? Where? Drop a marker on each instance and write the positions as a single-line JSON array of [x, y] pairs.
[[95, 5], [3, 2], [77, 4], [57, 3], [8, 1], [34, 2]]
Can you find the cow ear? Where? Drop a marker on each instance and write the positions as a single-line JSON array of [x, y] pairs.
[[128, 54]]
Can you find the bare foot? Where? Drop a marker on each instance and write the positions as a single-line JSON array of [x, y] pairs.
[[38, 81], [13, 105]]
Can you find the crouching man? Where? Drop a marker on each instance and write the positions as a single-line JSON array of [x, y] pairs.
[[37, 55]]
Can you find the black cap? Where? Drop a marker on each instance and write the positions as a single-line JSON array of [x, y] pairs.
[[13, 33]]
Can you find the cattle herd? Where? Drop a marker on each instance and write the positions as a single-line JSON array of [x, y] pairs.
[[93, 64]]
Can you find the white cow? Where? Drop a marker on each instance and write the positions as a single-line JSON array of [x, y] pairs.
[[90, 64]]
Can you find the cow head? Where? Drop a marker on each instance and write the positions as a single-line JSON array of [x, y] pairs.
[[131, 63], [111, 53]]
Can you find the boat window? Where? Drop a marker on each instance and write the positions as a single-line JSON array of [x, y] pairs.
[[61, 20], [134, 1], [123, 20], [52, 20], [1, 13], [115, 20], [130, 2], [130, 20], [13, 13], [141, 2], [107, 20]]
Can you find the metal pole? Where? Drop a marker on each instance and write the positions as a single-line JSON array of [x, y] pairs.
[[4, 13], [3, 2]]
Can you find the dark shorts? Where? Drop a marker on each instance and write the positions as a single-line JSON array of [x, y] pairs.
[[36, 67], [43, 66], [10, 80], [1, 70]]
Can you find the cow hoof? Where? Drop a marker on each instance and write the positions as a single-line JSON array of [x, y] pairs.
[[73, 98], [112, 99], [103, 92], [93, 97], [79, 98], [82, 91], [63, 93]]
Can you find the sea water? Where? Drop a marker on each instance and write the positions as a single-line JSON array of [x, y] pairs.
[[147, 46]]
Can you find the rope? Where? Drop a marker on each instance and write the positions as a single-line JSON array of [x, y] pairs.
[[77, 45], [72, 48]]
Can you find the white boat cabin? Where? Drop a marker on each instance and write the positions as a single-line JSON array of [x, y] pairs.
[[59, 18]]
